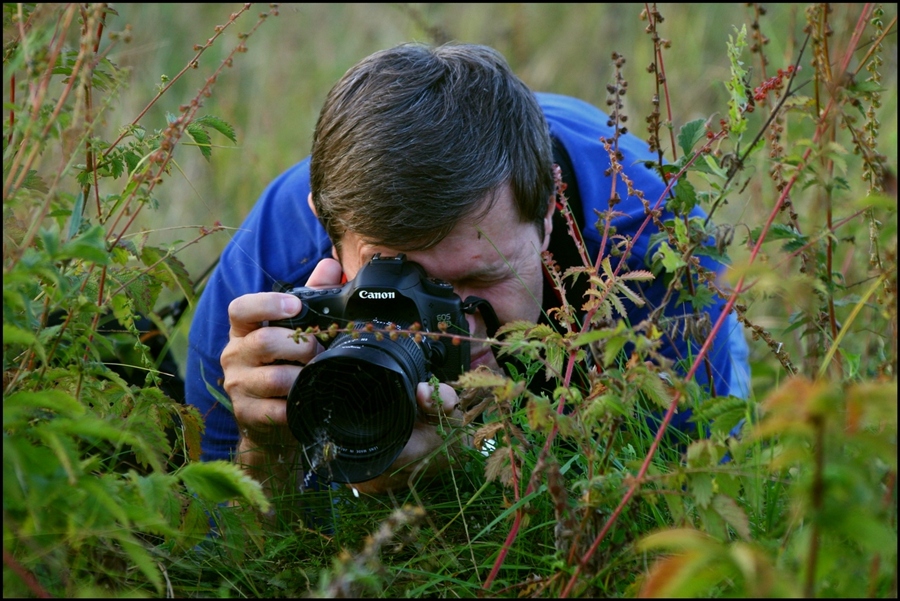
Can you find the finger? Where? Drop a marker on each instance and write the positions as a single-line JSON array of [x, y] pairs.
[[246, 313], [262, 411], [328, 272], [259, 419], [267, 345], [445, 403], [266, 382]]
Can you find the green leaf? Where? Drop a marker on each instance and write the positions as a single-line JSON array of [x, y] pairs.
[[781, 231], [600, 334], [735, 85], [616, 303], [671, 260], [132, 160], [733, 515], [123, 310], [219, 125], [100, 497], [714, 167], [689, 134], [216, 394], [64, 450], [116, 166], [612, 348], [93, 428], [75, 223], [169, 269], [89, 246], [678, 539], [25, 403], [867, 87], [154, 489], [685, 197], [194, 523], [33, 181], [141, 558], [201, 137], [629, 294], [701, 485], [15, 335], [142, 288], [220, 481], [702, 297]]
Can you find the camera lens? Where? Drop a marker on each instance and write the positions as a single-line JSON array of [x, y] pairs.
[[353, 407]]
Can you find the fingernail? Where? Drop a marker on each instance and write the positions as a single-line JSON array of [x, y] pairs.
[[290, 305]]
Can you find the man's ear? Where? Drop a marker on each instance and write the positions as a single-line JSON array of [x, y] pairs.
[[548, 223]]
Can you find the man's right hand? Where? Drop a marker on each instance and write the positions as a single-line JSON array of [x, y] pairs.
[[257, 377]]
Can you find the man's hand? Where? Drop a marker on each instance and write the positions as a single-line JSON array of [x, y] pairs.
[[258, 380], [260, 365]]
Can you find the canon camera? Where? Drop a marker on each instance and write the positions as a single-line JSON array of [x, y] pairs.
[[353, 407]]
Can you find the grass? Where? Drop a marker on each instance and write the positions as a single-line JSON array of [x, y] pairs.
[[808, 504]]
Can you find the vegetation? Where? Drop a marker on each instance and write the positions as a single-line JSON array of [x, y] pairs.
[[785, 134]]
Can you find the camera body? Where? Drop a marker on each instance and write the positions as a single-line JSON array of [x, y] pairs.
[[353, 407], [391, 290]]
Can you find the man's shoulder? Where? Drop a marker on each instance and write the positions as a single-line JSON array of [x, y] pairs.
[[562, 109], [281, 235]]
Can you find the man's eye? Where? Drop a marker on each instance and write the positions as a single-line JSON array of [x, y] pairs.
[[481, 282]]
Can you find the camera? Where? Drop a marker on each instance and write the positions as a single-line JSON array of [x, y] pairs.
[[353, 407]]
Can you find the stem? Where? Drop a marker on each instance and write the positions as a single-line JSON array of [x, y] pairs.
[[192, 64], [817, 496], [36, 100], [532, 482], [820, 130], [27, 577]]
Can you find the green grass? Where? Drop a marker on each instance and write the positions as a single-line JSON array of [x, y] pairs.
[[814, 486]]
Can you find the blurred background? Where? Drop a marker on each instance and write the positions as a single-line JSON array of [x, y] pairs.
[[272, 93]]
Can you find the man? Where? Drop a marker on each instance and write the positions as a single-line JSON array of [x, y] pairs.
[[442, 154]]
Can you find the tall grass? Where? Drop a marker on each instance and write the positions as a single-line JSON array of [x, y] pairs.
[[97, 501]]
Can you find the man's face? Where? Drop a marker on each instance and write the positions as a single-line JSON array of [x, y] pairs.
[[497, 259]]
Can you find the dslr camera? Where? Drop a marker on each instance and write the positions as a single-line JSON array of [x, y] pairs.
[[353, 407]]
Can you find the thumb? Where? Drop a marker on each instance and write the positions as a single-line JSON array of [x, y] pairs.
[[327, 273]]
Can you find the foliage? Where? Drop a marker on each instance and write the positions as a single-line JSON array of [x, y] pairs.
[[101, 474], [584, 490]]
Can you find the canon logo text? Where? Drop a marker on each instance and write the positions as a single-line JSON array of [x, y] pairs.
[[375, 295]]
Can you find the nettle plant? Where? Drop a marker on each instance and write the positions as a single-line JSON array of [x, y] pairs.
[[803, 500], [592, 500], [101, 478], [567, 493]]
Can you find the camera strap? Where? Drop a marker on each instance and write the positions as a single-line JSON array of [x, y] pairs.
[[492, 324], [475, 303]]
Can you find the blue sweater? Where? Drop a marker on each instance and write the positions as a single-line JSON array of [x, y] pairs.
[[281, 240]]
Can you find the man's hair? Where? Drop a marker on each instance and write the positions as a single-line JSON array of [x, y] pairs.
[[415, 138]]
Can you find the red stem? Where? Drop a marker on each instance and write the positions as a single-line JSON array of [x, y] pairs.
[[820, 130]]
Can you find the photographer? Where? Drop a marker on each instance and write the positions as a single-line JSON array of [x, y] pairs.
[[442, 154]]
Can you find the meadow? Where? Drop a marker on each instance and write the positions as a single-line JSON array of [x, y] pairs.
[[138, 136]]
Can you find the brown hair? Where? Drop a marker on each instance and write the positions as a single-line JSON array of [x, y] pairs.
[[414, 138]]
